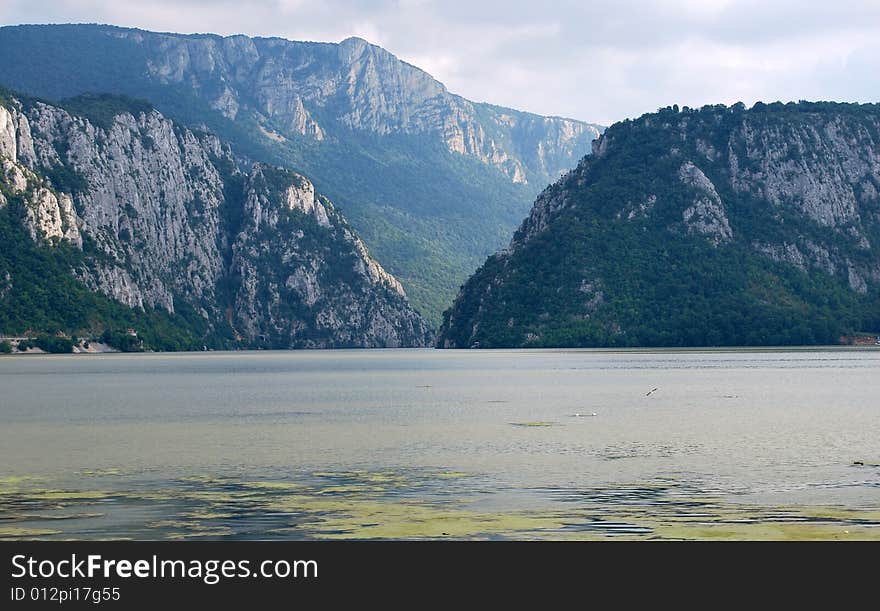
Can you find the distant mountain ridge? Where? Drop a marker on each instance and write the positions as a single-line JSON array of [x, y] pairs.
[[363, 87], [433, 181], [717, 226]]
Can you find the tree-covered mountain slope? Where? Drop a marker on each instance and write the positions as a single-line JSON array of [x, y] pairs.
[[718, 226], [433, 182], [113, 214]]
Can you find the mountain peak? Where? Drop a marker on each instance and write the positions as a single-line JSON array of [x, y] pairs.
[[354, 41], [295, 89], [353, 48]]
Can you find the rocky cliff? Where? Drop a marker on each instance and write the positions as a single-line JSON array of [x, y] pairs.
[[431, 181], [715, 226], [304, 279], [308, 89], [164, 218]]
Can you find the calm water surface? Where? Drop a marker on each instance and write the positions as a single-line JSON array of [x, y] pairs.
[[413, 443]]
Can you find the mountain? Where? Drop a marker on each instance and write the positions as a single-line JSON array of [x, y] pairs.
[[107, 197], [433, 182], [717, 226]]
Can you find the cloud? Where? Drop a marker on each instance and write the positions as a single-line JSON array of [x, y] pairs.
[[599, 61]]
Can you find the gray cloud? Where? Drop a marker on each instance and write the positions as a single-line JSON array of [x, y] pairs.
[[599, 61]]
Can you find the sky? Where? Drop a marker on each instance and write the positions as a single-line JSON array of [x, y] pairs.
[[599, 61]]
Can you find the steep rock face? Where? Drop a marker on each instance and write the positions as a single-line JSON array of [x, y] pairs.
[[8, 140], [768, 217], [150, 199], [161, 218], [49, 214], [706, 214], [305, 277], [52, 216]]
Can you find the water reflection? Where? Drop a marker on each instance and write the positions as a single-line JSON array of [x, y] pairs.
[[402, 504]]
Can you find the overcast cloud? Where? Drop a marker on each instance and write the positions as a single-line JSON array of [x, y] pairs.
[[598, 61]]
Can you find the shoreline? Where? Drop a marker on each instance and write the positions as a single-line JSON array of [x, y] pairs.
[[106, 349], [94, 347]]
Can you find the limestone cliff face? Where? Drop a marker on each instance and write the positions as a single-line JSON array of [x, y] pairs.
[[161, 218], [49, 214], [307, 89], [149, 201], [821, 168], [305, 278], [778, 207]]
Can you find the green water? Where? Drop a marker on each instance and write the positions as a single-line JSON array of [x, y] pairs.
[[426, 443]]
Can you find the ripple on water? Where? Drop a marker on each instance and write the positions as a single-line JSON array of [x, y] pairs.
[[403, 504]]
